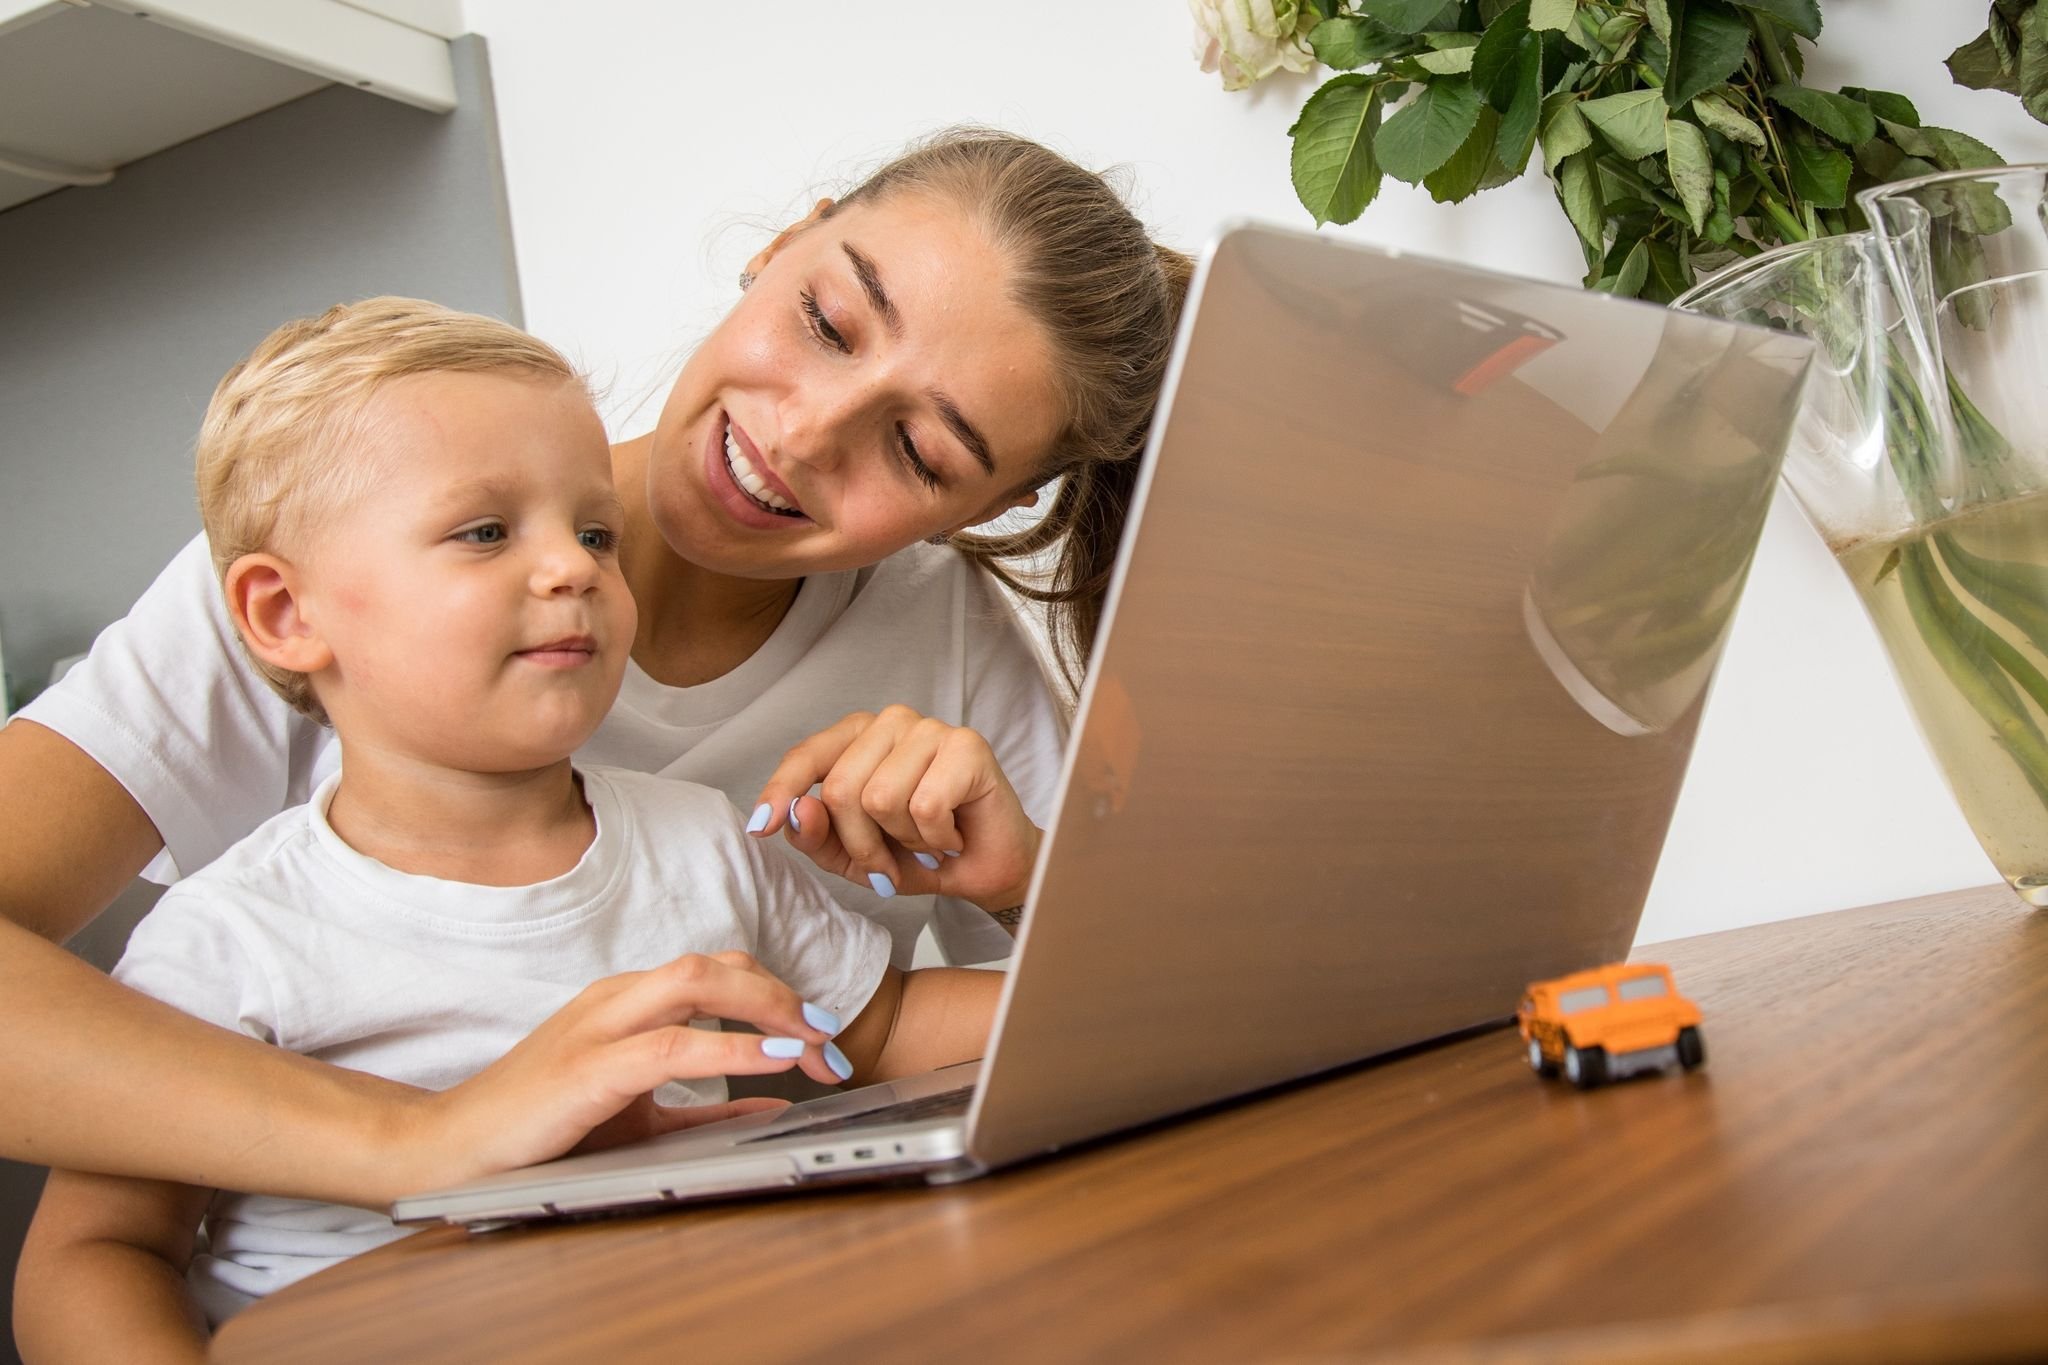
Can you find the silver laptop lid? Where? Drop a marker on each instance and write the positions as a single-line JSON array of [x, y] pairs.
[[1398, 678]]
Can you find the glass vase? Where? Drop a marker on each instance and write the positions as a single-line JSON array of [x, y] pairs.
[[1921, 457]]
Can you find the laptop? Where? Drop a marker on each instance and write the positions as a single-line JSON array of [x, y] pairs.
[[1416, 611]]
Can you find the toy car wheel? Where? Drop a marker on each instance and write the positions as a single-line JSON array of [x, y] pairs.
[[1539, 1063], [1585, 1067], [1691, 1051]]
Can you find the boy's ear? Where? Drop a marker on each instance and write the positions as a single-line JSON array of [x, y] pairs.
[[263, 601], [768, 252]]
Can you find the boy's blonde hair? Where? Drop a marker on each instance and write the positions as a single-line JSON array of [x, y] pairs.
[[273, 448]]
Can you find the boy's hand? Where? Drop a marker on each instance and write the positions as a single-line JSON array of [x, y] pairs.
[[584, 1076], [906, 804]]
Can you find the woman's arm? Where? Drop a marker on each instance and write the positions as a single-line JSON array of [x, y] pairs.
[[98, 1077], [102, 1274], [917, 1021]]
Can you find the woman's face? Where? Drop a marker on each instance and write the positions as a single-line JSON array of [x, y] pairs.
[[873, 387]]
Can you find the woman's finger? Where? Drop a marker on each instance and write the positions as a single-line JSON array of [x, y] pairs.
[[896, 779], [844, 792], [803, 767], [697, 985]]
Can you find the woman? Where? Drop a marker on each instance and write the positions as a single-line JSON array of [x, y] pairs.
[[976, 320]]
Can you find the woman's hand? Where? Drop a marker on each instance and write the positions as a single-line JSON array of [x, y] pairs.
[[912, 801], [582, 1079]]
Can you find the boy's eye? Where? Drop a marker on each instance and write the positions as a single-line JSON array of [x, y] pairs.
[[598, 539], [490, 533]]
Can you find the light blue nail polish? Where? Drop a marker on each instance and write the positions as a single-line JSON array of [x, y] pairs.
[[782, 1047], [836, 1059], [883, 886], [759, 821], [951, 852], [929, 863], [820, 1018], [794, 823]]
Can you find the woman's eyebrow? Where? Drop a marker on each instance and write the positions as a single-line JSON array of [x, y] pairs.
[[871, 285]]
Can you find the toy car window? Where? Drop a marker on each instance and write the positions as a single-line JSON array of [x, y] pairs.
[[1584, 998], [1642, 988]]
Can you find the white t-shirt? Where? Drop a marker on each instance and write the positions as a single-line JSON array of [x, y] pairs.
[[294, 938], [168, 704]]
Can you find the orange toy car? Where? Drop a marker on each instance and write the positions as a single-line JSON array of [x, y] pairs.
[[1610, 1022]]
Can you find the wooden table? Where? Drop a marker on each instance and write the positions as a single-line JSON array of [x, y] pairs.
[[1860, 1173]]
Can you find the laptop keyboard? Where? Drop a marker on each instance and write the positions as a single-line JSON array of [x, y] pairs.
[[941, 1105]]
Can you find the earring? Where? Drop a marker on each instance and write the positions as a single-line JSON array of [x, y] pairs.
[[746, 279], [940, 539]]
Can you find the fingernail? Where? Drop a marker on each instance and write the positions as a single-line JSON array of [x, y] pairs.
[[951, 852], [820, 1018], [794, 823], [883, 886], [782, 1047], [836, 1059], [929, 863], [760, 820]]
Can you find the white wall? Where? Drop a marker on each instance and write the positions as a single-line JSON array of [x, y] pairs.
[[649, 146]]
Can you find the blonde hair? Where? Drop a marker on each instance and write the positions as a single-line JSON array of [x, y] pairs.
[[1109, 299], [273, 448]]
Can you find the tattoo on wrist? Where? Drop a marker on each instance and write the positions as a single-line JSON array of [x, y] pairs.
[[1009, 918]]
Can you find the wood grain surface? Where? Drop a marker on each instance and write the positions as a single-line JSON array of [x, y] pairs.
[[1860, 1173]]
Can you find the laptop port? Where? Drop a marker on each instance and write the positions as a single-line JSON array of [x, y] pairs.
[[824, 1158], [863, 1154]]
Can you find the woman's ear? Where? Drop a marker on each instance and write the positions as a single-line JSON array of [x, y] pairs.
[[768, 253], [263, 601], [1016, 502]]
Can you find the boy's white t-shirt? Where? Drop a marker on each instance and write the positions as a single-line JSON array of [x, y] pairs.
[[168, 703], [294, 938]]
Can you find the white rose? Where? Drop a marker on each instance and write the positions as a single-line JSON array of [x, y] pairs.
[[1248, 40]]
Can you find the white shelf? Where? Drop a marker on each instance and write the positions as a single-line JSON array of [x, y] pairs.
[[87, 87]]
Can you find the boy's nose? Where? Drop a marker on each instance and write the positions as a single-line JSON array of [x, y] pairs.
[[566, 565]]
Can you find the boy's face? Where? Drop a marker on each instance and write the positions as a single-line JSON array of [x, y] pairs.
[[471, 597]]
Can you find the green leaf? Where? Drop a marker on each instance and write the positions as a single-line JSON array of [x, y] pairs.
[[1459, 177], [1635, 268], [1841, 118], [1426, 131], [1498, 49], [1551, 15], [1524, 111], [1886, 105], [1945, 147], [1579, 191], [1633, 124], [1335, 175], [1658, 12], [1402, 16], [1564, 129], [1720, 115], [1711, 44], [1976, 66], [1453, 60], [1668, 274], [1692, 169], [1820, 175], [2033, 63], [1348, 43], [1801, 16]]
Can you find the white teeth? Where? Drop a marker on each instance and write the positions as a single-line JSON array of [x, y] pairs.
[[747, 477]]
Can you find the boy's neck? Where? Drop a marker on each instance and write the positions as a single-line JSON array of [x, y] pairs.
[[488, 829]]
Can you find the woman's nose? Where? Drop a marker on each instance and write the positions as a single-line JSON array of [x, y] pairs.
[[823, 416]]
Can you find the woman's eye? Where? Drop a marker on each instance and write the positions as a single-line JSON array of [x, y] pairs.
[[490, 533], [821, 326], [598, 539], [907, 448]]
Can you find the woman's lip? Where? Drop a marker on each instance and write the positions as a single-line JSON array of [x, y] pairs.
[[725, 490], [760, 464]]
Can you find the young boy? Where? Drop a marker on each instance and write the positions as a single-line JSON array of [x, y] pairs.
[[412, 514]]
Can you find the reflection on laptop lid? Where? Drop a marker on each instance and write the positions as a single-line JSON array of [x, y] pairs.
[[1425, 579]]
